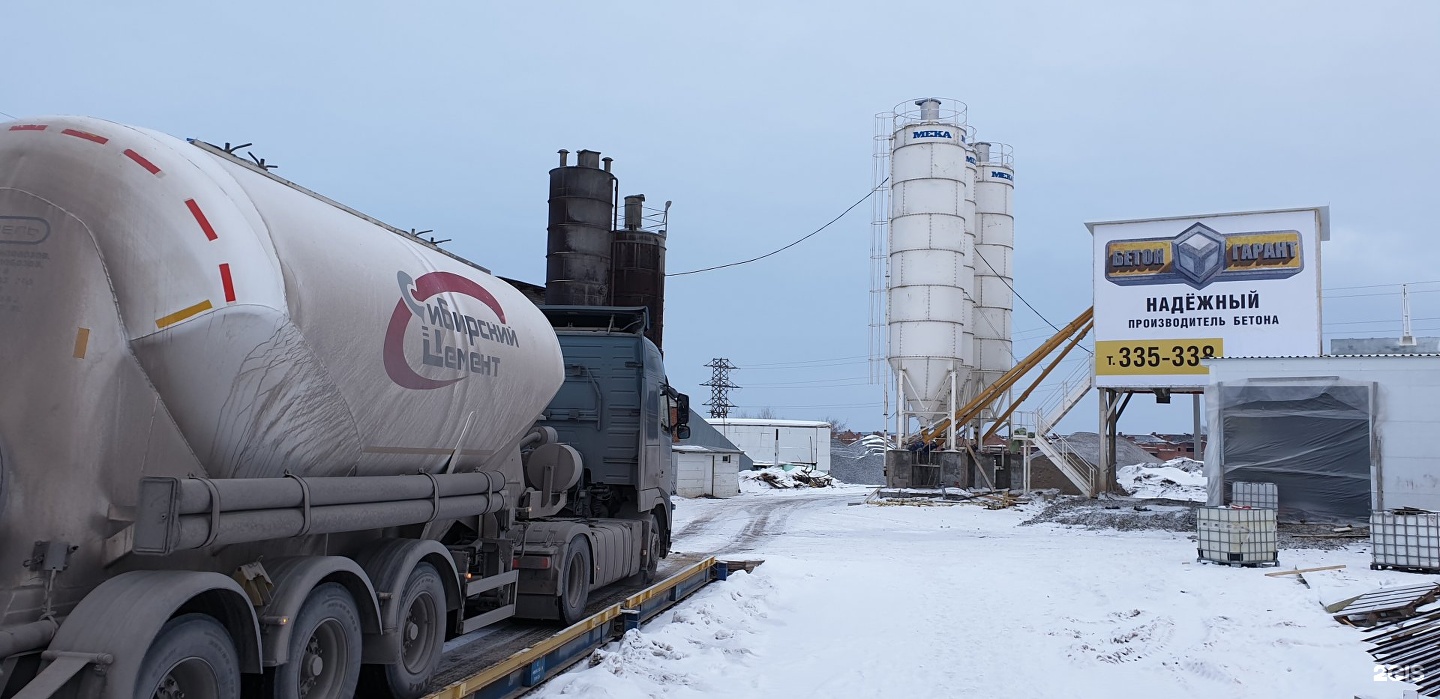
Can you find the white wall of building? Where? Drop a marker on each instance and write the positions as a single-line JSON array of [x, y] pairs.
[[700, 472], [800, 442], [1406, 415]]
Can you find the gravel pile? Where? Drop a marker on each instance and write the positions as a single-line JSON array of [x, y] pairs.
[[1156, 514], [852, 463], [1123, 514], [1087, 445]]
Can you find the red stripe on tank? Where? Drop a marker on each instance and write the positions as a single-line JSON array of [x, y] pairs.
[[29, 127], [94, 138], [228, 283], [200, 219], [140, 159]]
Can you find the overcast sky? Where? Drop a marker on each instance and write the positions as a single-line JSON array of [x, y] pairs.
[[756, 119]]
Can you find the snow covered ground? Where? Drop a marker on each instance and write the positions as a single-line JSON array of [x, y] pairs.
[[1176, 479], [858, 600]]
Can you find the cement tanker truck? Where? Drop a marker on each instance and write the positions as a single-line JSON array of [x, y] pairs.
[[254, 442]]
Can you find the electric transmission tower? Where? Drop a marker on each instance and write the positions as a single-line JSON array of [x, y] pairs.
[[720, 387]]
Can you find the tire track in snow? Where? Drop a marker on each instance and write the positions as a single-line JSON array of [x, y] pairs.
[[737, 526]]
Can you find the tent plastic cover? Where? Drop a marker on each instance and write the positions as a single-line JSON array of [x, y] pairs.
[[1313, 438]]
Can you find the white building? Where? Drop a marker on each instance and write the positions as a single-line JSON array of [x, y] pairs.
[[702, 471], [1351, 433], [786, 442]]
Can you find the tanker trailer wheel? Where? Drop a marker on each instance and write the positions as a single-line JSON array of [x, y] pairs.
[[193, 657], [324, 649], [575, 581], [422, 637]]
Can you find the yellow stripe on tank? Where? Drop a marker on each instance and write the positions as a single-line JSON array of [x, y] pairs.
[[184, 313]]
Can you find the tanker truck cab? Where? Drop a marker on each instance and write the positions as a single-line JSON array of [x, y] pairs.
[[619, 416]]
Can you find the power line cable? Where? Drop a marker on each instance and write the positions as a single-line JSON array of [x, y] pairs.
[[1381, 293], [1010, 286], [1378, 286], [862, 200], [1011, 350], [809, 386], [807, 361], [1373, 322], [808, 366]]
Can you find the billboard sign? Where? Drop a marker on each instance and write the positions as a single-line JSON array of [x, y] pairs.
[[1171, 292]]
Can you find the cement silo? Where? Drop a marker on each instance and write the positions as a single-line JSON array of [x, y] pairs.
[[994, 264], [929, 275]]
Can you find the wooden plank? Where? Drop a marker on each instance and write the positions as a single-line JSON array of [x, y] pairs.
[[1302, 570]]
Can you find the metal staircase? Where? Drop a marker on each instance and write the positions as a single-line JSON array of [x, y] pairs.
[[1057, 449]]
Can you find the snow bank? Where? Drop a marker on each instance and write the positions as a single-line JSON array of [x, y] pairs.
[[702, 648], [1176, 479], [761, 480]]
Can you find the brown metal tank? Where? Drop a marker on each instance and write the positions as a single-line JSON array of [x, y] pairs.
[[579, 240], [639, 276]]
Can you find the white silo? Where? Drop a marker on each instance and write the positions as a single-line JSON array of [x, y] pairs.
[[929, 274], [995, 262], [972, 266]]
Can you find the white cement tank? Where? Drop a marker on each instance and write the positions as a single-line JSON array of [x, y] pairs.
[[995, 263], [167, 310], [928, 312]]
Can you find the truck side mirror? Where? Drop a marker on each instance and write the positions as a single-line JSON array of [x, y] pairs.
[[682, 431], [682, 412]]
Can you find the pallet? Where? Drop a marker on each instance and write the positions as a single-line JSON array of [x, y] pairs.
[[1242, 564], [1383, 605], [1405, 569]]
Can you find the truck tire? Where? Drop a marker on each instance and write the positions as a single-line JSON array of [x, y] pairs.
[[654, 548], [324, 649], [575, 581], [422, 638], [194, 657]]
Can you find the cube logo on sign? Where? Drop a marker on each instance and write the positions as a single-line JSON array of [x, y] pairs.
[[1199, 253]]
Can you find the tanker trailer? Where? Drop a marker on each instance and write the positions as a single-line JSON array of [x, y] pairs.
[[253, 441]]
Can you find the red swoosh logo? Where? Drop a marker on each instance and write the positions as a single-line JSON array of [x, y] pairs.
[[426, 286]]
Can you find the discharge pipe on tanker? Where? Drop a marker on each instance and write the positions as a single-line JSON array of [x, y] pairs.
[[177, 514]]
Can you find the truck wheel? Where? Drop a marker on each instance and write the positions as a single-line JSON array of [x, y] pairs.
[[655, 548], [192, 657], [422, 637], [324, 649], [575, 581]]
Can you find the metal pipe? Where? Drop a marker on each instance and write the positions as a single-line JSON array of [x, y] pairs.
[[26, 637], [954, 399], [634, 211], [262, 525], [564, 157], [235, 494]]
